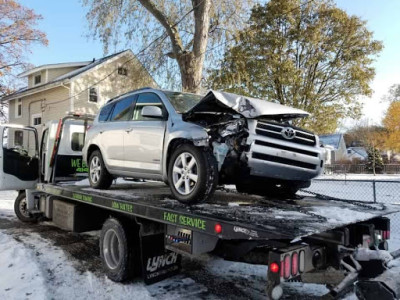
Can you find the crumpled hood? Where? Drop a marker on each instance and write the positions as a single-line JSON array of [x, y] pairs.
[[216, 101]]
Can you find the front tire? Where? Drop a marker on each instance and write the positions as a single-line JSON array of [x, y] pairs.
[[99, 177], [21, 209], [192, 174]]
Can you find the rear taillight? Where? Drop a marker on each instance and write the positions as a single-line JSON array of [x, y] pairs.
[[386, 234], [302, 257], [274, 267], [295, 263], [287, 266]]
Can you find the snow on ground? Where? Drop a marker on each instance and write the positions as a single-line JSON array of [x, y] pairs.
[[7, 204], [20, 274]]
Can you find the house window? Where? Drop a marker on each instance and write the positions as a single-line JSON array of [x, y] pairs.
[[123, 71], [36, 119], [38, 79], [18, 138], [93, 94], [18, 108]]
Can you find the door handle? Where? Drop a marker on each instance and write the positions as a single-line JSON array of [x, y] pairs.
[[129, 130]]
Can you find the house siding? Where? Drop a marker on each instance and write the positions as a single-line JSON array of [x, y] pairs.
[[112, 86], [41, 103], [54, 73]]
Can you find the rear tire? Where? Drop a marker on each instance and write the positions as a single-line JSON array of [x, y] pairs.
[[117, 251], [20, 209], [99, 177], [192, 174]]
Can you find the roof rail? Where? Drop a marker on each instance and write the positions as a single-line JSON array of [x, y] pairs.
[[143, 88]]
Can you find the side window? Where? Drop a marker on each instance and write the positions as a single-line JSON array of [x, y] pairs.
[[20, 141], [122, 109], [146, 99], [77, 141], [105, 112]]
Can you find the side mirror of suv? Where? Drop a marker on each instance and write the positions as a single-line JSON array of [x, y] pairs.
[[152, 111]]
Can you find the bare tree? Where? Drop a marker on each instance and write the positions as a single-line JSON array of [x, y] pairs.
[[17, 34], [178, 35]]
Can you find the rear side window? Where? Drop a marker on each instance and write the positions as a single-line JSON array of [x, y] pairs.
[[105, 112], [122, 109], [143, 100], [77, 141]]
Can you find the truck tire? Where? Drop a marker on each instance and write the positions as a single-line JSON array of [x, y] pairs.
[[20, 209], [99, 177], [192, 174], [116, 250]]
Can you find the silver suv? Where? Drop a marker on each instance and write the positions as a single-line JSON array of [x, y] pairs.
[[193, 143]]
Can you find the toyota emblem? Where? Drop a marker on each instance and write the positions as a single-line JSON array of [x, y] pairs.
[[288, 133]]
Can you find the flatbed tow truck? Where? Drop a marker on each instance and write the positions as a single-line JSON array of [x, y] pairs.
[[144, 231]]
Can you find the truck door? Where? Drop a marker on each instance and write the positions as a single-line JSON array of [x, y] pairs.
[[19, 158]]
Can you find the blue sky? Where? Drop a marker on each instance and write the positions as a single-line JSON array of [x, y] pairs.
[[65, 25]]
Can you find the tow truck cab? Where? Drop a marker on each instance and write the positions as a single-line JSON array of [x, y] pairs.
[[26, 159]]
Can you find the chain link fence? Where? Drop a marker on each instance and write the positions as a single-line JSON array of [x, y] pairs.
[[381, 191]]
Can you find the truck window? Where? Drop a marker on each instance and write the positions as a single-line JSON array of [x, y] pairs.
[[122, 109], [77, 141], [20, 141], [105, 112], [145, 99]]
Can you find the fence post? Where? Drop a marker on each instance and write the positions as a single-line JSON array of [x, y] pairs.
[[374, 190]]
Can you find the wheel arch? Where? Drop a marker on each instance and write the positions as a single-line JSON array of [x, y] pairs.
[[90, 150]]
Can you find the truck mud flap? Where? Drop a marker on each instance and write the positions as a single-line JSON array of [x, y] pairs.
[[158, 263]]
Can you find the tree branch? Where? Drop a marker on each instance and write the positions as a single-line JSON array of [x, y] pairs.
[[172, 30]]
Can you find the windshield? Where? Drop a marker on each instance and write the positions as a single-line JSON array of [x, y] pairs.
[[183, 102]]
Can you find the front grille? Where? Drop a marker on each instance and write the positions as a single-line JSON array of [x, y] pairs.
[[273, 130], [301, 151], [284, 161]]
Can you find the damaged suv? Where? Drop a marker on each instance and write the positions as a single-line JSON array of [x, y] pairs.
[[194, 143]]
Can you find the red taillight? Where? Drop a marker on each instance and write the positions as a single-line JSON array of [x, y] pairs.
[[295, 263], [274, 267], [218, 228], [287, 266], [387, 234]]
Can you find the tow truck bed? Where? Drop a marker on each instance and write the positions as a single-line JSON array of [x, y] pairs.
[[240, 216]]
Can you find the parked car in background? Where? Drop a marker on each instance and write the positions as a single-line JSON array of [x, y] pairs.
[[193, 143]]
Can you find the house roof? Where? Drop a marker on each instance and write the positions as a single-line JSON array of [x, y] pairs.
[[360, 151], [60, 79], [53, 66], [331, 139]]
